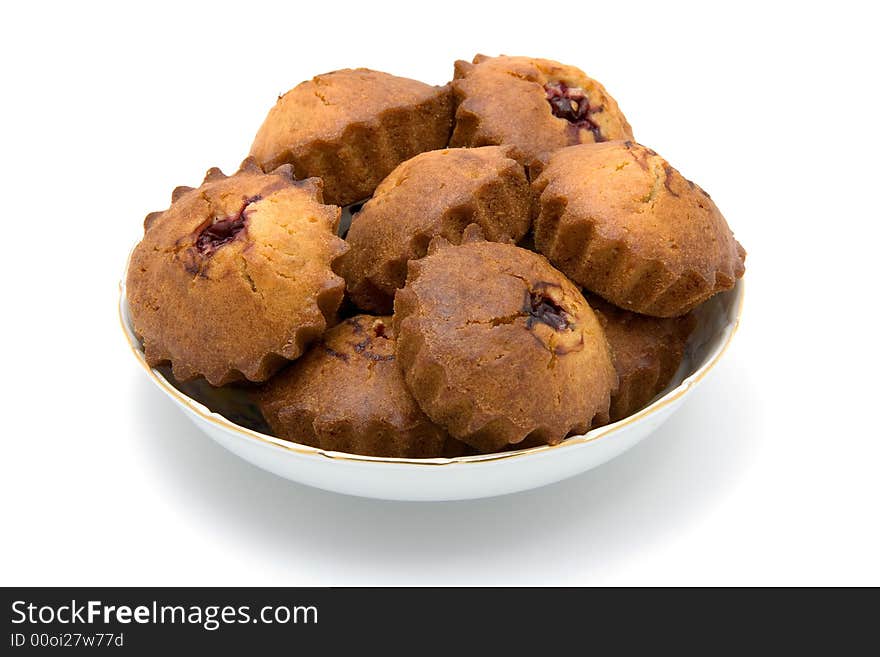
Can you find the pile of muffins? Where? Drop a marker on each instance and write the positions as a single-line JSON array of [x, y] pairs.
[[517, 269]]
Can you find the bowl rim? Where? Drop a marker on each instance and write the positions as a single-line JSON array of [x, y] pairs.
[[206, 414]]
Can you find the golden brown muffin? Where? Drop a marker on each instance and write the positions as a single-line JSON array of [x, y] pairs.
[[498, 347], [235, 279], [347, 395], [646, 352], [351, 128], [620, 221], [537, 105], [435, 193]]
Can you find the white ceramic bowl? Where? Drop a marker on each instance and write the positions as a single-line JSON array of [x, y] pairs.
[[213, 411]]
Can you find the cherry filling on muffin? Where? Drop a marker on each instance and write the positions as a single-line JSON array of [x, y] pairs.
[[365, 346], [572, 104], [542, 309], [223, 230]]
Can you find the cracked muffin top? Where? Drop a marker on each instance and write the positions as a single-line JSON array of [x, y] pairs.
[[619, 220], [536, 105], [346, 394], [351, 128], [434, 194], [234, 278], [499, 347]]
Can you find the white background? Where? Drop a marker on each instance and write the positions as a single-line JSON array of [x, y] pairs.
[[768, 475]]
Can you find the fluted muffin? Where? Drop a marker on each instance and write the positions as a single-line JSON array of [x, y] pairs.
[[351, 128], [234, 278], [348, 395], [498, 347], [646, 352], [437, 193], [536, 105], [619, 220]]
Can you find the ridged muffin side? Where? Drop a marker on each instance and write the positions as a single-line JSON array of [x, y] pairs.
[[347, 395], [646, 352], [351, 128], [499, 348], [235, 278], [535, 105], [438, 193], [619, 220]]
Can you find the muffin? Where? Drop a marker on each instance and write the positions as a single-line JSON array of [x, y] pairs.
[[235, 278], [498, 347], [646, 352], [537, 105], [435, 193], [621, 222], [351, 128], [347, 395]]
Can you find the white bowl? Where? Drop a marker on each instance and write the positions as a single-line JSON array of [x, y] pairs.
[[469, 477]]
